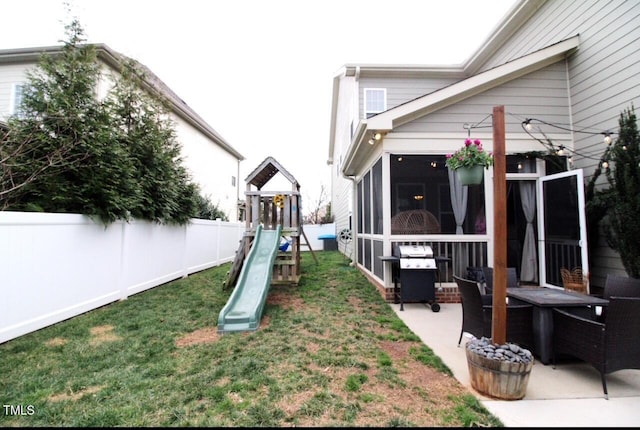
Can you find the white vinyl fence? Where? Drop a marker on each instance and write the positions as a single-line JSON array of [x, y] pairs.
[[312, 232], [56, 266]]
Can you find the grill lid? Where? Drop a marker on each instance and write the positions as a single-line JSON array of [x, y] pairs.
[[415, 251]]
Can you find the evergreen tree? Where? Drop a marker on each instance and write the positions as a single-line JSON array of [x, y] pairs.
[[165, 192], [68, 151], [62, 120], [617, 206], [209, 210]]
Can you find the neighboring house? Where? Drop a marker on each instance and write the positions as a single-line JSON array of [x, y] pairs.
[[567, 67], [213, 163]]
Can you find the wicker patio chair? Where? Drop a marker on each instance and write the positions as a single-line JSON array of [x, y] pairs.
[[477, 313], [609, 346], [575, 280], [512, 278], [621, 286], [417, 221]]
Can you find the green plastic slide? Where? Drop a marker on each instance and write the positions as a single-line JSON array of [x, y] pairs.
[[243, 310]]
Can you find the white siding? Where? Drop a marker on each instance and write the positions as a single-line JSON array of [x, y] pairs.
[[347, 120], [9, 76], [211, 168]]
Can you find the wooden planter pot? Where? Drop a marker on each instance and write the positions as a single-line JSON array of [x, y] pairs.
[[498, 379]]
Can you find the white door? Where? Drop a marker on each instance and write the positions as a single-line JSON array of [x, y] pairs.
[[562, 227]]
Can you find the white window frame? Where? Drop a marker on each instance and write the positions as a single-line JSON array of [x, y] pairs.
[[368, 92], [16, 97]]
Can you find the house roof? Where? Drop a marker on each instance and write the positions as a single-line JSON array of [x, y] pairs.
[[503, 31], [153, 83], [473, 85], [267, 170], [454, 93], [519, 13]]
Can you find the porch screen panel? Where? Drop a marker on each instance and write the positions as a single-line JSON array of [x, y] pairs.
[[360, 251], [378, 269], [420, 191], [367, 254], [366, 203], [376, 197], [359, 217]]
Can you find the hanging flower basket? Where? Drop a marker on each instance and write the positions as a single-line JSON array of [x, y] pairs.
[[470, 175], [470, 161]]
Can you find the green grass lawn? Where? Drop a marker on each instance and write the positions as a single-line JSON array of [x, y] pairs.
[[329, 352]]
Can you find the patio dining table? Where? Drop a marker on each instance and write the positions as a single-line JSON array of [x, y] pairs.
[[544, 300]]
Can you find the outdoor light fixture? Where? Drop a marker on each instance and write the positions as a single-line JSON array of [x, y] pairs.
[[418, 197], [376, 135]]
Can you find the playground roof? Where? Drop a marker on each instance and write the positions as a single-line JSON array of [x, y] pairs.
[[267, 170]]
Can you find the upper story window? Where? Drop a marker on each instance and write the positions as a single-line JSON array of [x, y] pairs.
[[16, 99], [375, 101]]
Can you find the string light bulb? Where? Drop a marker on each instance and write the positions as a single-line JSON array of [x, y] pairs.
[[527, 124], [375, 135], [607, 138], [605, 164]]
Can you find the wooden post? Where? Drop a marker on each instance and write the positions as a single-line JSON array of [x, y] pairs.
[[499, 320]]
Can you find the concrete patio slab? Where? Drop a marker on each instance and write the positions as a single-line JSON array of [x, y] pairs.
[[568, 396]]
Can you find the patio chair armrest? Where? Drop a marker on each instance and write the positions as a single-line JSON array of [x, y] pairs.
[[577, 335], [564, 314]]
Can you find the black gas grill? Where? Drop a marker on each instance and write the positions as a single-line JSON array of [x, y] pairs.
[[417, 270]]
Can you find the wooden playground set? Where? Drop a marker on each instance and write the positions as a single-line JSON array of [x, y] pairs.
[[271, 209]]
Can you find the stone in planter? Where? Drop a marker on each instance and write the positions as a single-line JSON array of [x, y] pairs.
[[499, 371]]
